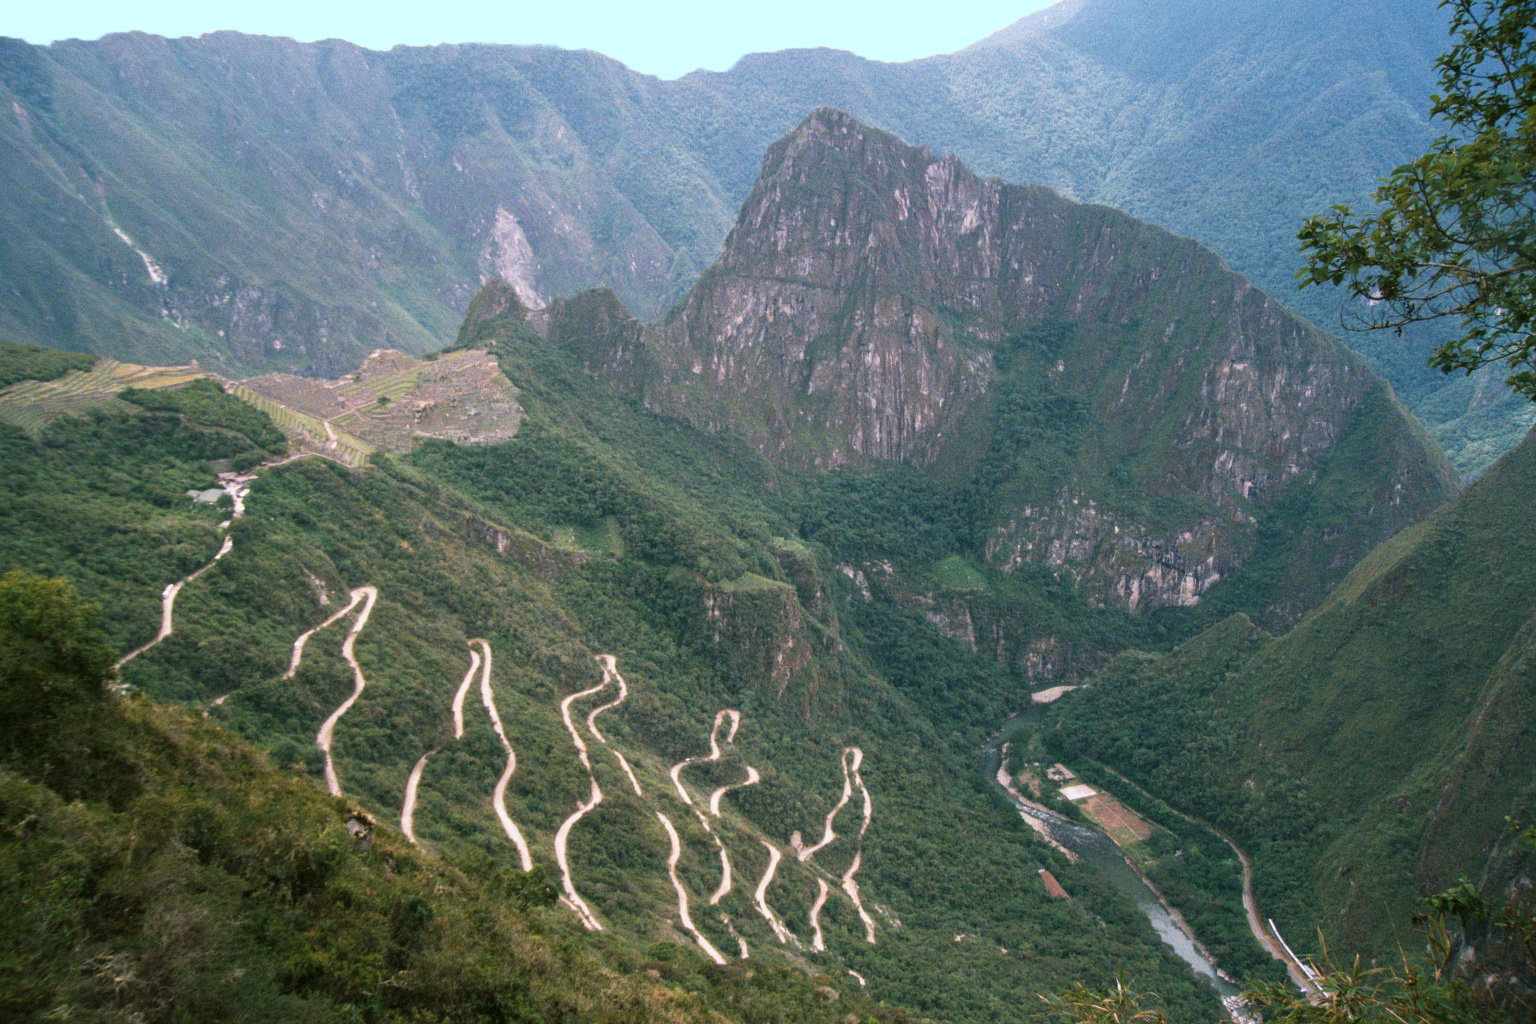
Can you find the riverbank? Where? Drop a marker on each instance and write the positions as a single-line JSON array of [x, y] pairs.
[[1298, 972], [1083, 842]]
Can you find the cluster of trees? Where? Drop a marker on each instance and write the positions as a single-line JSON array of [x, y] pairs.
[[32, 362]]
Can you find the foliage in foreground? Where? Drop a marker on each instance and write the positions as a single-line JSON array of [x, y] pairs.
[[1478, 964], [1456, 233], [165, 871]]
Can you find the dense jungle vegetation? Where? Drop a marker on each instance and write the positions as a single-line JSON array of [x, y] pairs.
[[154, 867], [1371, 753], [620, 529]]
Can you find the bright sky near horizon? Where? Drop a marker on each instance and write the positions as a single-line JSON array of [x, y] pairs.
[[667, 38]]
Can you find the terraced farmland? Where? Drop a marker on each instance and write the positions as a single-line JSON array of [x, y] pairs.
[[307, 433], [32, 405], [393, 399]]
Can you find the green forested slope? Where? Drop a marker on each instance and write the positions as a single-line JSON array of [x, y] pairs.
[[1370, 755], [153, 867], [599, 529], [259, 203]]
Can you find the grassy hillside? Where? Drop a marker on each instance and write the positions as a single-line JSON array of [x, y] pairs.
[[598, 529], [33, 362], [169, 871], [1370, 755]]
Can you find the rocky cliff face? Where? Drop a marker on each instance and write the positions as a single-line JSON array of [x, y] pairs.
[[878, 303]]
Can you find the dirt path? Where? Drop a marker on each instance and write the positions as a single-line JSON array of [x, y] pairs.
[[298, 645], [713, 758], [1269, 937], [715, 753], [583, 808], [823, 890], [573, 900], [458, 698], [673, 857], [850, 886], [237, 488], [323, 737], [480, 662], [753, 778], [828, 835], [724, 888], [168, 604], [408, 808], [741, 943], [852, 761], [760, 897], [499, 795], [611, 673]]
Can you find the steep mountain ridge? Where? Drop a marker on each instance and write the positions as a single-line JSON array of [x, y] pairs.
[[261, 204], [1370, 755], [597, 531], [1129, 405]]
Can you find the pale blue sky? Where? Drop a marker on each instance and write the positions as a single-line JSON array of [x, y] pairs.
[[667, 39]]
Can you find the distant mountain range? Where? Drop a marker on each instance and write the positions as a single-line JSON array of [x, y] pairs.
[[260, 204], [1074, 451], [1108, 400]]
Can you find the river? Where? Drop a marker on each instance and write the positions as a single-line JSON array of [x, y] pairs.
[[1097, 849]]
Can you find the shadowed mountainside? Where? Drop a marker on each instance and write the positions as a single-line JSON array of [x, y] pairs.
[[261, 204]]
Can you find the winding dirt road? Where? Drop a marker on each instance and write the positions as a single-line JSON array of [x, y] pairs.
[[298, 645], [582, 809], [753, 778], [673, 857], [760, 897], [852, 761], [479, 662], [237, 488], [458, 698], [741, 943], [715, 753], [168, 603], [823, 890], [713, 758], [828, 835], [1270, 940], [611, 672], [408, 808], [850, 886], [595, 797], [323, 737], [499, 795], [724, 888]]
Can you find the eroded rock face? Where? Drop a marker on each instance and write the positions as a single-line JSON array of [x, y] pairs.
[[820, 334], [1116, 557], [868, 295], [768, 640]]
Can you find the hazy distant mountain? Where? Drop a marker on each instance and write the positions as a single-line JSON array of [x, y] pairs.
[[260, 203], [1121, 408]]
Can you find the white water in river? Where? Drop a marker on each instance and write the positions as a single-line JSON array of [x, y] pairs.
[[1100, 851]]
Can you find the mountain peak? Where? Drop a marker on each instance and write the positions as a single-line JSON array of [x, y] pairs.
[[876, 303]]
